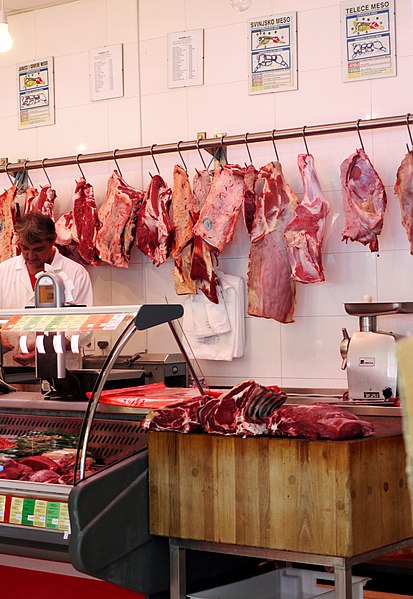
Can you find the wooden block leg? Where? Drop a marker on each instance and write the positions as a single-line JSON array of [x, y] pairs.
[[177, 564], [342, 577]]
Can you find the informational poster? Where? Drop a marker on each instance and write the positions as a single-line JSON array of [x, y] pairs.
[[272, 53], [106, 72], [368, 40], [35, 82], [186, 58]]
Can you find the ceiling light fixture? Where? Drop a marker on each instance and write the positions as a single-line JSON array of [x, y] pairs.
[[240, 5], [6, 41]]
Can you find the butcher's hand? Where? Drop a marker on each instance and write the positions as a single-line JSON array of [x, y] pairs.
[[25, 359]]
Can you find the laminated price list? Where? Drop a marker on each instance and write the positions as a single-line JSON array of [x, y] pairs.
[[39, 513]]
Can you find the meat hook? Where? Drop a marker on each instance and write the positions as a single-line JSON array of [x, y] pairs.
[[410, 133], [180, 155], [304, 139], [27, 173], [358, 131], [223, 148], [6, 168], [45, 174], [154, 161], [248, 150], [116, 162], [200, 155], [275, 147], [80, 168]]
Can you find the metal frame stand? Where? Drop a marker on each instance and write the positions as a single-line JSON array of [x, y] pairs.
[[342, 565]]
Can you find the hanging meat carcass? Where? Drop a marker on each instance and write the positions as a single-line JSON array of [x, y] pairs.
[[8, 217], [202, 265], [271, 289], [183, 222], [154, 232], [45, 201], [40, 202], [304, 234], [219, 214], [364, 200], [250, 197], [85, 221], [404, 191], [120, 205]]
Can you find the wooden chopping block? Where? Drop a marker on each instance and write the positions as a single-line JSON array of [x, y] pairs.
[[404, 350], [338, 498]]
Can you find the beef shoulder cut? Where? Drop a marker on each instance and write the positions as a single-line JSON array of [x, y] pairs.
[[364, 200], [154, 232], [181, 416], [404, 191], [219, 214], [242, 410], [271, 289], [304, 234], [317, 421]]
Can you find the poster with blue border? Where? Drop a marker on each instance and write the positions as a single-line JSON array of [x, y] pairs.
[[35, 84], [272, 53], [368, 41]]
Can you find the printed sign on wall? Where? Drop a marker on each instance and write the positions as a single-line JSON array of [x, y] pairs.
[[35, 82], [272, 53], [368, 40]]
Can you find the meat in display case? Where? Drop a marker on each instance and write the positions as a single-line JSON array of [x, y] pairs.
[[70, 469]]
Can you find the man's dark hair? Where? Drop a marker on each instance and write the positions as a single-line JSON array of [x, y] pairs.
[[35, 228]]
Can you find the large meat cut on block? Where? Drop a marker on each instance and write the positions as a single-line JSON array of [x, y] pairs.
[[271, 289], [242, 410], [114, 217], [404, 191], [7, 244], [219, 214], [304, 234], [181, 417], [154, 232], [86, 221], [364, 200], [317, 421]]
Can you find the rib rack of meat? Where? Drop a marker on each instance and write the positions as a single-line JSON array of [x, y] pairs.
[[242, 410], [271, 289], [404, 191], [304, 234], [364, 200]]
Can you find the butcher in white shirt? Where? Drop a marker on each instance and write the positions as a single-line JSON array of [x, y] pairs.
[[36, 235]]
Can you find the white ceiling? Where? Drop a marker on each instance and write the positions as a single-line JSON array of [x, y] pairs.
[[16, 6]]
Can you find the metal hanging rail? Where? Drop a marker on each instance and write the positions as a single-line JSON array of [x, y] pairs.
[[211, 144]]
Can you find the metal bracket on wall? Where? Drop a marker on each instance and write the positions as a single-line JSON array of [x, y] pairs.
[[218, 151], [4, 161]]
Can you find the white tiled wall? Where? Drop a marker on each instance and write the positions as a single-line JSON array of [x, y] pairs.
[[305, 353]]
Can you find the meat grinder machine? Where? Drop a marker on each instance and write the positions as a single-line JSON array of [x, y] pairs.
[[370, 355]]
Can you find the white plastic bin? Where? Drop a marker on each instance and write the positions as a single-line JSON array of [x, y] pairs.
[[286, 583]]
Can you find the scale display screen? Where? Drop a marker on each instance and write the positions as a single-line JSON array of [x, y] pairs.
[[46, 294]]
